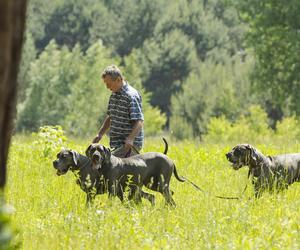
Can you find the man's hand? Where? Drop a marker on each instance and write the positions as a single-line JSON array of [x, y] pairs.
[[97, 139], [128, 145]]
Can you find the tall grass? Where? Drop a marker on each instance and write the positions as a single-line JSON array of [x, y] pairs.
[[50, 210]]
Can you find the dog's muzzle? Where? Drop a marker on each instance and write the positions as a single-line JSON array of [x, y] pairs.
[[96, 160], [59, 171], [235, 162]]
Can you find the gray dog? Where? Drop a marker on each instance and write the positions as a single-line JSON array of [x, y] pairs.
[[87, 178], [153, 170], [268, 172]]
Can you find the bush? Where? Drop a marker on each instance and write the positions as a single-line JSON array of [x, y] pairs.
[[6, 233], [252, 127], [288, 129], [50, 139]]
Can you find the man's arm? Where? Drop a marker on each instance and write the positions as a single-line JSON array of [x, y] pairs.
[[137, 127], [105, 126]]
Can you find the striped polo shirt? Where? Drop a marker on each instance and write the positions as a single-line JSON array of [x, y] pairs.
[[124, 107]]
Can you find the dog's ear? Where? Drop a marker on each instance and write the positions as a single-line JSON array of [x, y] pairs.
[[87, 151], [75, 156], [252, 155], [107, 152]]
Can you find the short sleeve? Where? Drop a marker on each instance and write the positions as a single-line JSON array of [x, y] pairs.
[[135, 108]]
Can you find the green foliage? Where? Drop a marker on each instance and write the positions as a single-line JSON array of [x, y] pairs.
[[249, 128], [49, 139], [288, 129], [274, 36], [214, 90], [69, 24], [124, 25], [206, 24], [51, 77], [166, 61], [252, 128], [180, 128], [7, 235]]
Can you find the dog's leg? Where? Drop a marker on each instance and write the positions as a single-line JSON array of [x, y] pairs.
[[149, 197], [138, 195], [168, 196], [258, 189], [135, 194], [112, 189], [89, 199], [120, 195]]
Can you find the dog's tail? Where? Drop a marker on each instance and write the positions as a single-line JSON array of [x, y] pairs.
[[184, 179], [166, 146], [180, 178]]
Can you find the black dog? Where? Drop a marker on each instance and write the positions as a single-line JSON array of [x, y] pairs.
[[153, 170], [268, 172]]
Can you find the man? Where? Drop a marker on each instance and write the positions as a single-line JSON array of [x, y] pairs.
[[125, 117]]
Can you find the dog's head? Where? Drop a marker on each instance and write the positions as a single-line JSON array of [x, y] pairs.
[[98, 154], [240, 155], [65, 160]]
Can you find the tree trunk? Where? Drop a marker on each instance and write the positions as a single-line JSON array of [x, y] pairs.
[[12, 24]]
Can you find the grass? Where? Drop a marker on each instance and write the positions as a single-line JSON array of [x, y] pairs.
[[50, 210]]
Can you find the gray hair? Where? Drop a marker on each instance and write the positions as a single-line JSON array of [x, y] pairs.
[[113, 71]]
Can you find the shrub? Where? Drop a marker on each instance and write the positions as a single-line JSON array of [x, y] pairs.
[[50, 139], [252, 127], [6, 232], [288, 129]]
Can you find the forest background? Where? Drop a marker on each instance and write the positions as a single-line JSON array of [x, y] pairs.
[[202, 66]]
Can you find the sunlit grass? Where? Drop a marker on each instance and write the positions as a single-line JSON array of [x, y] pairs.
[[50, 210]]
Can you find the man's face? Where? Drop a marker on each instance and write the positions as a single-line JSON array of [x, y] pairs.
[[111, 84]]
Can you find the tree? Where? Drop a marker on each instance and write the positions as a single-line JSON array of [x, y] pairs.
[[212, 90], [69, 24], [125, 25], [166, 61], [274, 36], [202, 24], [51, 78], [12, 19]]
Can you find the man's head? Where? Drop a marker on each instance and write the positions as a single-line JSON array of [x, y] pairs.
[[113, 78]]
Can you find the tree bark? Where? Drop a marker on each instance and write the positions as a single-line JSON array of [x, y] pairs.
[[12, 25]]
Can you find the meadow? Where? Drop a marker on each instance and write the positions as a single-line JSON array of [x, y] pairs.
[[50, 211]]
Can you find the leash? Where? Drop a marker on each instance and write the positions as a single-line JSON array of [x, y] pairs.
[[128, 153], [218, 196]]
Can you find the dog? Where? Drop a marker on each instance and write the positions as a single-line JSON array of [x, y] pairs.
[[152, 170], [88, 179], [268, 172]]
